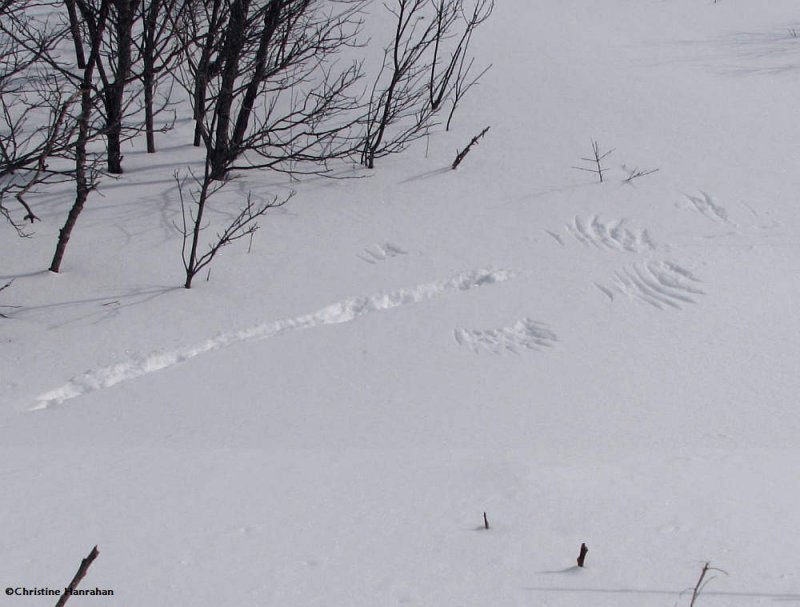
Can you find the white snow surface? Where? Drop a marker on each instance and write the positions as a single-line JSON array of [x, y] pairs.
[[615, 363]]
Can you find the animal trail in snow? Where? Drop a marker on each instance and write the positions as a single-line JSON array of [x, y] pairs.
[[380, 252], [709, 208], [525, 334], [339, 312]]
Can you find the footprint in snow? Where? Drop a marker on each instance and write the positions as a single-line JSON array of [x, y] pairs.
[[380, 252]]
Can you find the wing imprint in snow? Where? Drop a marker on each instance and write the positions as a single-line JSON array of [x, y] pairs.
[[525, 334], [657, 283], [616, 235]]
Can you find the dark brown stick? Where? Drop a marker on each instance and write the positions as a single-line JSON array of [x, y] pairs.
[[582, 555], [485, 521], [696, 591], [463, 153], [85, 563]]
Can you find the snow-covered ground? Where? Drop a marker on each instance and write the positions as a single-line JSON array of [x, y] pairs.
[[325, 420]]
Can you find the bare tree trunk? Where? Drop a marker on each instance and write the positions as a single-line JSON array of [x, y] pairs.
[[374, 143], [148, 82], [231, 56], [200, 103], [84, 180], [114, 132], [192, 266], [115, 92], [83, 183], [148, 71], [271, 22], [203, 73], [75, 31], [162, 41]]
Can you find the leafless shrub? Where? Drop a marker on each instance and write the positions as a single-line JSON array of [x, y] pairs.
[[463, 82], [595, 160], [244, 222], [417, 74]]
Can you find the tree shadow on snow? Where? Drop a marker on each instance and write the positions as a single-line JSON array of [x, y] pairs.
[[92, 309], [783, 597], [767, 53]]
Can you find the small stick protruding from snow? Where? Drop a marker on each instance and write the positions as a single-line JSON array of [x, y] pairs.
[[485, 521], [582, 555], [698, 588], [636, 173], [85, 563], [463, 153], [596, 159], [3, 288]]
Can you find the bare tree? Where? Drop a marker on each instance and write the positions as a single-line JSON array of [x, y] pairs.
[[75, 32], [404, 97], [267, 92], [96, 18], [415, 80], [36, 151], [266, 87], [244, 222], [115, 63], [464, 78], [36, 122], [114, 69], [199, 30], [158, 47], [449, 78]]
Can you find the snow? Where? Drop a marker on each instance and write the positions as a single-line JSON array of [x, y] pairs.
[[614, 363]]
